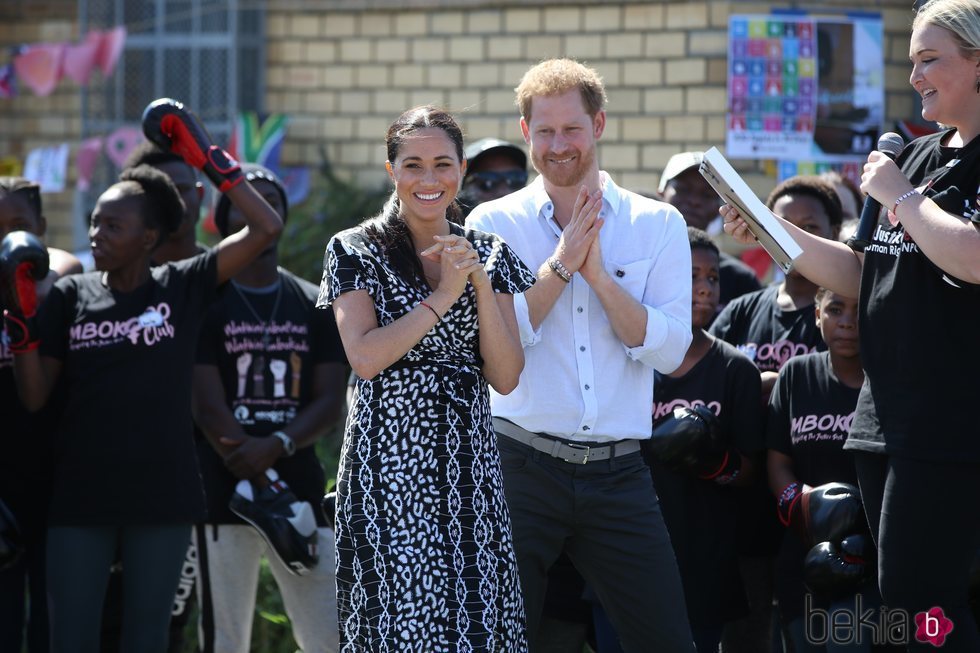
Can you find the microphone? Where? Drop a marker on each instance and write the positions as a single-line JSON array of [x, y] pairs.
[[890, 144]]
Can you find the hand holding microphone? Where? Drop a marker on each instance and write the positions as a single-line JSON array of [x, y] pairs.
[[890, 144]]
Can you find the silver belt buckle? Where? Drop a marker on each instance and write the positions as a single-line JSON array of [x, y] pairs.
[[581, 447]]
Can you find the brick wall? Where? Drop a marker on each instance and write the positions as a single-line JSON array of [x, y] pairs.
[[344, 74], [344, 69], [27, 121]]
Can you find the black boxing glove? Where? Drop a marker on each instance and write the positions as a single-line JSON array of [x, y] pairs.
[[174, 128], [834, 571], [689, 440], [23, 262], [328, 506], [826, 513]]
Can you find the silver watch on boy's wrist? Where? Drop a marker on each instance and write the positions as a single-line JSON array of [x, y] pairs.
[[288, 445]]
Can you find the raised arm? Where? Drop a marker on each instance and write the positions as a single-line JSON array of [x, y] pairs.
[[949, 241], [174, 128], [827, 263], [24, 265], [500, 343]]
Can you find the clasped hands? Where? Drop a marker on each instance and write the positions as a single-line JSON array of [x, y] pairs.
[[459, 263], [578, 248]]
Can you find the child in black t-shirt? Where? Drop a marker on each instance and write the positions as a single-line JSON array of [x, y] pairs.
[[700, 512], [122, 339], [810, 414], [774, 324], [771, 326]]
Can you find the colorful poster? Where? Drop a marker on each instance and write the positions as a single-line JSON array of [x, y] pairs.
[[806, 88]]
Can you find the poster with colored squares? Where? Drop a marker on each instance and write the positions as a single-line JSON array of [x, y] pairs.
[[804, 88]]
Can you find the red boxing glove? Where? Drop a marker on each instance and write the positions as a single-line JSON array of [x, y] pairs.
[[23, 262], [174, 128]]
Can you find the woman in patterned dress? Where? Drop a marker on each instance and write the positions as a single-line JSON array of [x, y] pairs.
[[425, 558]]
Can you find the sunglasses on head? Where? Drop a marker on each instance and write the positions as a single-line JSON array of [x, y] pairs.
[[491, 180]]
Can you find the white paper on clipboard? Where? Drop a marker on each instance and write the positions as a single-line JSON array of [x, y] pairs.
[[733, 190]]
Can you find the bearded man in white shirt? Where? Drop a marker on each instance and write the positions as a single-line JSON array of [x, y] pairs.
[[611, 305]]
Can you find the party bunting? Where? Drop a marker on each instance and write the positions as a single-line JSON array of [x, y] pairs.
[[41, 66], [8, 81], [86, 161], [110, 47], [80, 59]]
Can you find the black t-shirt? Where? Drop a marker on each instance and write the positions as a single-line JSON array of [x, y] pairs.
[[764, 332], [124, 446], [25, 459], [700, 515], [918, 325], [737, 279], [810, 413], [266, 383]]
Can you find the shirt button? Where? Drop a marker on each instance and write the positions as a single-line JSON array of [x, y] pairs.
[[585, 428], [582, 348], [586, 386], [579, 309]]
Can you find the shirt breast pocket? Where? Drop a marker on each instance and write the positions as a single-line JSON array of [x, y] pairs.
[[631, 276]]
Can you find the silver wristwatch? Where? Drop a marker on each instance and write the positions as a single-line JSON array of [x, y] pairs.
[[288, 446]]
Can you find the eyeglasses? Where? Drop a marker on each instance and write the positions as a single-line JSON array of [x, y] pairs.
[[491, 180]]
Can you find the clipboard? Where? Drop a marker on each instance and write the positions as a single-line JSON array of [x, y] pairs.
[[733, 190]]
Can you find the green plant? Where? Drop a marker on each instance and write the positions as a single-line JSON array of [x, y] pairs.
[[333, 205]]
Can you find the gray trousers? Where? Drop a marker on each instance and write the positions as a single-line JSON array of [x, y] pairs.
[[607, 517]]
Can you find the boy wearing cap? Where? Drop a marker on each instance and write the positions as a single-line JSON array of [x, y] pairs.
[[682, 186], [269, 380]]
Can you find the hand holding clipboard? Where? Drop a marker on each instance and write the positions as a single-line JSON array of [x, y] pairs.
[[760, 220]]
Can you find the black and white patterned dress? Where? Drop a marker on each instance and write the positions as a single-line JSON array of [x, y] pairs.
[[425, 556]]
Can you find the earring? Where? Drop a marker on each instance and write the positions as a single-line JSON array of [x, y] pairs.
[[978, 85]]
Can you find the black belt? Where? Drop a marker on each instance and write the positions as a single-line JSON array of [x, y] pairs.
[[570, 452]]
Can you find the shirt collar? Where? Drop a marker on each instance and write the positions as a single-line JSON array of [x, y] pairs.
[[612, 197]]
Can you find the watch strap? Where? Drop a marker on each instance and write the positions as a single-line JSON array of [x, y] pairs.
[[288, 444]]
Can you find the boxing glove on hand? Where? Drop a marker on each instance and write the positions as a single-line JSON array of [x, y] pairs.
[[835, 571], [689, 440], [23, 262], [174, 128], [826, 513]]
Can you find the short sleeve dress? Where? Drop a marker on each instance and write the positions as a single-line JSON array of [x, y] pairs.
[[425, 556]]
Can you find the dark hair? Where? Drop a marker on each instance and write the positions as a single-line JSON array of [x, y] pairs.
[[149, 153], [815, 187], [163, 209], [700, 239], [29, 190], [387, 228], [252, 171]]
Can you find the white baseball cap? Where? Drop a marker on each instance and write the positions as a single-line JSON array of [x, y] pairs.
[[677, 164]]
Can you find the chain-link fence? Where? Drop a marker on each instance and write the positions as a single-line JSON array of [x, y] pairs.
[[206, 53]]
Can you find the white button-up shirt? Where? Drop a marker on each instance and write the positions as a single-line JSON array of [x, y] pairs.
[[580, 381]]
